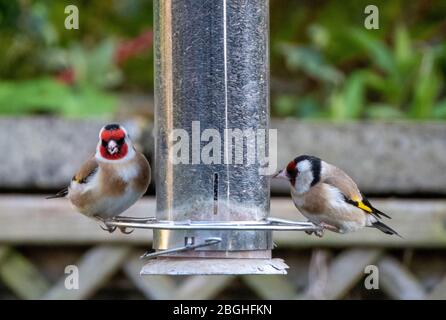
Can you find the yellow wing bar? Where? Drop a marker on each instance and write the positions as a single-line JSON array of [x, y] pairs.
[[360, 204]]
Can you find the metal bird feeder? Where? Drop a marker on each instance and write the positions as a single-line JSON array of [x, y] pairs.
[[212, 72]]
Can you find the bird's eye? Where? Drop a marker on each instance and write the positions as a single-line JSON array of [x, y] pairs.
[[120, 141], [292, 172], [104, 143]]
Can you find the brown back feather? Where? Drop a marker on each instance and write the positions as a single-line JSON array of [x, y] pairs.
[[339, 179], [86, 170]]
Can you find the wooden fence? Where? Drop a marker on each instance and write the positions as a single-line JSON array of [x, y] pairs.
[[335, 270]]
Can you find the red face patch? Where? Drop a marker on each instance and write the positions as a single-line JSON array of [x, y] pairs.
[[118, 135], [119, 155], [108, 135], [291, 166]]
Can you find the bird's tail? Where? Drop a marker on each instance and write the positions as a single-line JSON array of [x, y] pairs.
[[384, 228], [377, 213], [61, 194]]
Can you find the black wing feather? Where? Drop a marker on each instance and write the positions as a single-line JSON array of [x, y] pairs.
[[61, 194], [375, 211], [385, 228]]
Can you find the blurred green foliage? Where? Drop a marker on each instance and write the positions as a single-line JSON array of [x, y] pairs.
[[340, 70], [324, 63], [44, 95], [45, 68]]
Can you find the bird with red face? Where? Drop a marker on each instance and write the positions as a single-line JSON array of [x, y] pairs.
[[329, 198], [112, 180]]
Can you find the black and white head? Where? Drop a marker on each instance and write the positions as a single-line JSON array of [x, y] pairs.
[[302, 172]]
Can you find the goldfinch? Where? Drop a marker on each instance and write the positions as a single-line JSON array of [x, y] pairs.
[[329, 198], [112, 180]]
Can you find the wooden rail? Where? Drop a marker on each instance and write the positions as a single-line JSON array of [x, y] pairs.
[[35, 220]]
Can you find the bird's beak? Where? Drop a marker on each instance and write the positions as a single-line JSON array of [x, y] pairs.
[[112, 147], [281, 175]]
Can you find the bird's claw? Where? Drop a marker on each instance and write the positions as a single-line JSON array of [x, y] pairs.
[[124, 230], [111, 229], [108, 228], [319, 230], [105, 226], [319, 233]]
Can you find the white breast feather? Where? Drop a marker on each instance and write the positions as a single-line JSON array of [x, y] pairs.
[[128, 172]]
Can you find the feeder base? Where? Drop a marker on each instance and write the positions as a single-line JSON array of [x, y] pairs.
[[210, 266]]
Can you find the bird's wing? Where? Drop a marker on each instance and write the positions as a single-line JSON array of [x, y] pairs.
[[351, 192], [86, 171]]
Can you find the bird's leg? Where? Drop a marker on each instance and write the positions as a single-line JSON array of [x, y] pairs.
[[320, 233], [328, 227], [105, 227]]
